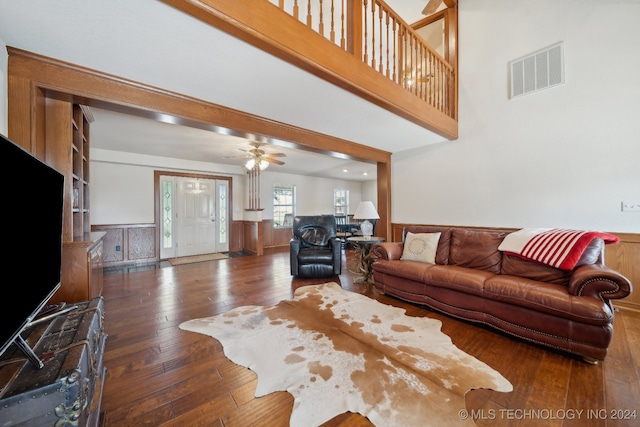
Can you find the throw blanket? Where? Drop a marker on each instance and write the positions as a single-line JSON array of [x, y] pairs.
[[557, 247]]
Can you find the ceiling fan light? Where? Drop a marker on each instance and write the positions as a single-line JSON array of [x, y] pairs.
[[250, 164], [263, 164]]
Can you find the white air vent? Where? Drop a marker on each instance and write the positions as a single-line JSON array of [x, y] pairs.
[[539, 70]]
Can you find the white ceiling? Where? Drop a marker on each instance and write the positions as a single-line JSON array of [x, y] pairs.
[[151, 42]]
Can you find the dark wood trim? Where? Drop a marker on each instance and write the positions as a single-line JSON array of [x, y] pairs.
[[34, 78]]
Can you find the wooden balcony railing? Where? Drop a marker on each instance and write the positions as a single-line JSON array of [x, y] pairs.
[[371, 31], [362, 46]]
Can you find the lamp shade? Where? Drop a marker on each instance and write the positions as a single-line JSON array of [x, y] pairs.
[[366, 210]]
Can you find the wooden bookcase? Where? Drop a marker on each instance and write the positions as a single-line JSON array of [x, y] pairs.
[[68, 146], [80, 125]]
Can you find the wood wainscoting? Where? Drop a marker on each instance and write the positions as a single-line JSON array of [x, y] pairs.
[[256, 236], [622, 257], [274, 237], [126, 244]]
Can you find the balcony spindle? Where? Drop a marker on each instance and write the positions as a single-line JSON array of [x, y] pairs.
[[380, 62], [366, 36], [373, 34], [332, 33], [321, 25], [343, 43], [395, 49], [387, 71]]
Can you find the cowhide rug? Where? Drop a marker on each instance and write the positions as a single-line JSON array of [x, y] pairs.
[[337, 351]]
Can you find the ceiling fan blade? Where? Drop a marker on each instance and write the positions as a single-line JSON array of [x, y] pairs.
[[276, 155], [431, 7], [274, 161]]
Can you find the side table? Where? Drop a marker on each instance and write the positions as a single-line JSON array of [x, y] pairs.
[[363, 258]]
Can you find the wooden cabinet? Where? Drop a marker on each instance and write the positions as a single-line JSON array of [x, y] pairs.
[[82, 269]]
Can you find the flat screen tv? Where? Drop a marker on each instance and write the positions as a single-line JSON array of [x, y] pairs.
[[32, 231]]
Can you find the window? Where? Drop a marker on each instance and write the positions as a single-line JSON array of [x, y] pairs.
[[167, 214], [340, 202], [284, 203]]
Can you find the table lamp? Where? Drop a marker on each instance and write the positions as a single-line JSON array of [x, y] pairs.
[[366, 211]]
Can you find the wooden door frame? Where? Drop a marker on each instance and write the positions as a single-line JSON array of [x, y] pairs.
[[33, 78]]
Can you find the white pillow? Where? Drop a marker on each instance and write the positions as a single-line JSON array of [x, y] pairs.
[[420, 247]]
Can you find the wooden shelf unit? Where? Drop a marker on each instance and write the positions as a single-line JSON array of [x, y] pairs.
[[81, 118], [68, 145]]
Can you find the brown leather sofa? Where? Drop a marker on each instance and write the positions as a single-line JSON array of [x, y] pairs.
[[473, 280]]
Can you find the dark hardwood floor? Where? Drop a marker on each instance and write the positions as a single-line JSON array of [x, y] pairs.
[[158, 374]]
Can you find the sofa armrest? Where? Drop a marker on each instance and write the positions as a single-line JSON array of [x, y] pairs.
[[599, 281], [388, 250]]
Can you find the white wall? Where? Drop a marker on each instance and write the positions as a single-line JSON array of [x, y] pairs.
[[567, 156], [122, 187], [313, 195]]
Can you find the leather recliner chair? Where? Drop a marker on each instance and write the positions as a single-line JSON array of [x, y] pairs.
[[314, 249]]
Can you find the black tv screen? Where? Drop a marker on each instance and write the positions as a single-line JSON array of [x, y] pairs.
[[33, 211]]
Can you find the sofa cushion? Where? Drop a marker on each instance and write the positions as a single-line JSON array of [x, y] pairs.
[[316, 255], [412, 270], [468, 280], [442, 253], [515, 266], [547, 298], [476, 249], [420, 247], [592, 252]]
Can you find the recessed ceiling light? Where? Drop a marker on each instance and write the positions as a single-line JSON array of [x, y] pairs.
[[345, 170], [365, 173]]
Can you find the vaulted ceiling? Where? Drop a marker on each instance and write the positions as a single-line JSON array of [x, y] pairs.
[[151, 42]]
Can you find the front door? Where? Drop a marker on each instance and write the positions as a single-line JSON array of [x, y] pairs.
[[201, 216]]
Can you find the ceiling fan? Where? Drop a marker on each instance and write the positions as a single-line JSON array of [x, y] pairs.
[[411, 77], [257, 157]]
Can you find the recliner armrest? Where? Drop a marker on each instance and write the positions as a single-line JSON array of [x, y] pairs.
[[336, 247], [294, 245], [294, 250], [599, 281], [388, 250]]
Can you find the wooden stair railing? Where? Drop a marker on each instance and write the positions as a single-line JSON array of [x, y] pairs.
[[362, 46]]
